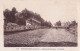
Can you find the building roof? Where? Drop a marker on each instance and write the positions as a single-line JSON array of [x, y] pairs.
[[32, 19]]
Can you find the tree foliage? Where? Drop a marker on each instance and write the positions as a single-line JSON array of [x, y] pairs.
[[21, 17], [10, 15], [58, 23], [73, 23]]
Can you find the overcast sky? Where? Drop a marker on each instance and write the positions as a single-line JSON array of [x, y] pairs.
[[50, 10]]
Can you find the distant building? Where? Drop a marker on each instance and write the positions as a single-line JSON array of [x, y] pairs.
[[32, 23]]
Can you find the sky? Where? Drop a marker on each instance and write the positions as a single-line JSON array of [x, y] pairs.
[[50, 10]]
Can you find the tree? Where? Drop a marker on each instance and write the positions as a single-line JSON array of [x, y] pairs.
[[38, 17], [21, 22], [58, 23], [6, 13], [12, 15], [24, 12], [73, 23], [47, 24]]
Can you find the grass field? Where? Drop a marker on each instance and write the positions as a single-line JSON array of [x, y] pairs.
[[40, 38]]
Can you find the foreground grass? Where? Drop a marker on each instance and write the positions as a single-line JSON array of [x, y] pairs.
[[32, 39], [27, 37]]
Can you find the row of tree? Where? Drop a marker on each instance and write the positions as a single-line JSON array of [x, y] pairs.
[[71, 24], [19, 17]]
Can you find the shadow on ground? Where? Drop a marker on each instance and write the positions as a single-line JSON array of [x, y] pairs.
[[44, 44]]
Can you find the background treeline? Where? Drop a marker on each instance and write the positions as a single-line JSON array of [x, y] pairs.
[[19, 17], [68, 24]]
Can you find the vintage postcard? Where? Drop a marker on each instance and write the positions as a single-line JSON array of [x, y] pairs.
[[39, 25]]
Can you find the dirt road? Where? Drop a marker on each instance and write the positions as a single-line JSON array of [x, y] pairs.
[[58, 35]]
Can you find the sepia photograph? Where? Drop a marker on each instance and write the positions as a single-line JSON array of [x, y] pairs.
[[40, 23]]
